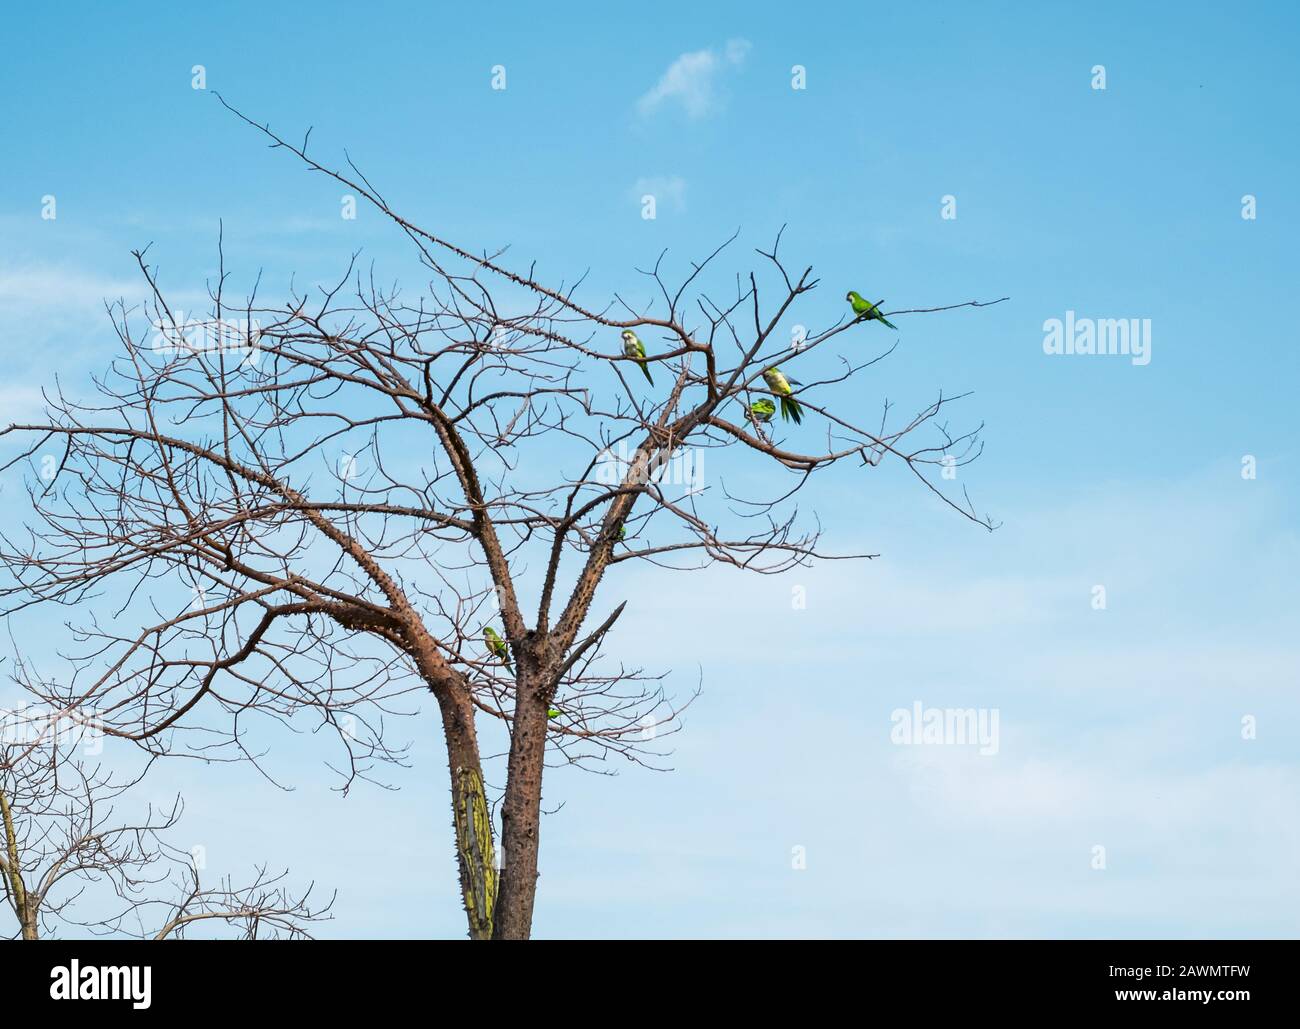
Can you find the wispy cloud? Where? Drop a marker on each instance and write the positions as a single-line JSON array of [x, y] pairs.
[[21, 403], [48, 308], [51, 286], [692, 80]]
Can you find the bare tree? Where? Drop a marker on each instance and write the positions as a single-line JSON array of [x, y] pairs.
[[328, 515], [61, 840]]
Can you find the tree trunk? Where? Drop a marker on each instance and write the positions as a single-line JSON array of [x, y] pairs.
[[471, 817], [521, 811], [29, 920], [24, 903]]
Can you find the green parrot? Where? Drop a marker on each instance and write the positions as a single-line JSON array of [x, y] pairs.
[[622, 533], [761, 410], [498, 647], [780, 385], [633, 347], [867, 311], [553, 712]]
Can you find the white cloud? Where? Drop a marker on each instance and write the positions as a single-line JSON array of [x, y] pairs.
[[54, 307], [52, 286], [692, 80], [20, 403]]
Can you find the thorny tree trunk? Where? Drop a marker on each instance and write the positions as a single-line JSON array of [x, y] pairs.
[[521, 809], [472, 818]]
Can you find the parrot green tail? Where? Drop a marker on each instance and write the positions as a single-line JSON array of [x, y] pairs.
[[791, 411], [888, 322], [646, 369]]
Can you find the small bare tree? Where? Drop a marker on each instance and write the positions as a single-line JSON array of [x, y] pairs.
[[61, 841], [330, 514]]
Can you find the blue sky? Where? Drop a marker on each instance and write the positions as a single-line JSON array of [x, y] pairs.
[[1119, 728]]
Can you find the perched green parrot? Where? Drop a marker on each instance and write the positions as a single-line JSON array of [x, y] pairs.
[[761, 410], [633, 347], [622, 533], [553, 712], [867, 311], [780, 385], [498, 647]]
